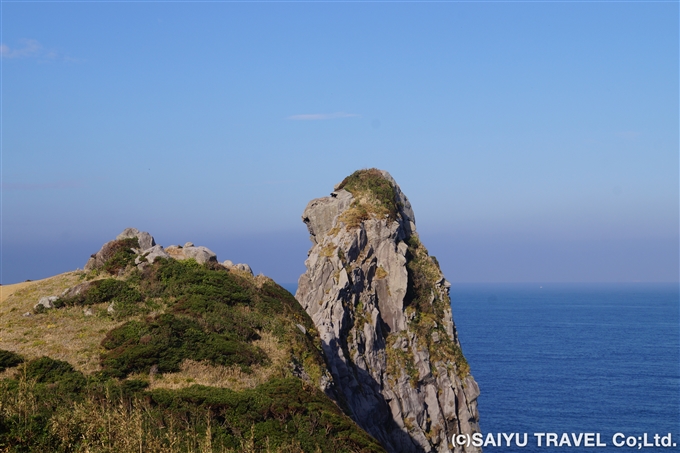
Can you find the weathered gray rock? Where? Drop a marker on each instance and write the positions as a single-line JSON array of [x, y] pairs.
[[244, 267], [148, 251], [46, 302], [76, 290], [106, 252], [382, 309], [240, 266], [320, 213], [150, 254], [200, 254], [146, 241]]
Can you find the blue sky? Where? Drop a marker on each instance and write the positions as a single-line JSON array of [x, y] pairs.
[[536, 141]]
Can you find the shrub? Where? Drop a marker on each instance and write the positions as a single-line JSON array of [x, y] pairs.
[[166, 341], [119, 254], [9, 359], [174, 278], [126, 298], [46, 370]]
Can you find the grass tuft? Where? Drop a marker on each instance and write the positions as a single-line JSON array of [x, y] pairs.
[[374, 196]]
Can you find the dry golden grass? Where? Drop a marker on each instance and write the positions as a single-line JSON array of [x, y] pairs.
[[328, 250], [8, 290], [354, 215], [233, 378], [109, 425], [63, 334], [380, 273]]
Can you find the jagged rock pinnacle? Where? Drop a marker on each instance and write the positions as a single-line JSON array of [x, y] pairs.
[[382, 309]]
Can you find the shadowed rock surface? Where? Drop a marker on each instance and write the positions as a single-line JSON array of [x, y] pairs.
[[382, 309]]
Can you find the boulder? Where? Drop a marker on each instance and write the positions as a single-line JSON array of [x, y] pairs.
[[244, 267], [151, 254], [200, 254], [76, 290], [46, 302], [146, 241]]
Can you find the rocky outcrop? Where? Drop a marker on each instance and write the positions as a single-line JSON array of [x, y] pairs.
[[146, 251], [45, 303], [143, 241], [200, 254], [240, 266], [150, 254], [135, 248], [382, 309]]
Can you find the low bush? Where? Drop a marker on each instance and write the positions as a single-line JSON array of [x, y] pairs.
[[9, 359], [120, 255], [165, 342], [100, 291], [46, 370]]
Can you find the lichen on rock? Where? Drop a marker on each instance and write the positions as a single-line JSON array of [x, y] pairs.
[[382, 308]]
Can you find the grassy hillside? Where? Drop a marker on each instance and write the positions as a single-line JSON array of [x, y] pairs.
[[178, 357]]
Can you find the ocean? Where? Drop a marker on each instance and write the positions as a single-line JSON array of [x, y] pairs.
[[573, 360]]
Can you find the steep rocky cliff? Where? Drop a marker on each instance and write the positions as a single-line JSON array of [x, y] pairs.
[[382, 309]]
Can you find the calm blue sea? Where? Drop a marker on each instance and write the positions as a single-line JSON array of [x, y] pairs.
[[573, 358]]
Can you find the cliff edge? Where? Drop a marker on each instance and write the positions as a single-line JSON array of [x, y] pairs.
[[381, 306]]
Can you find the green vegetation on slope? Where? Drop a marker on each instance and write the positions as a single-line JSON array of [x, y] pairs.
[[42, 410], [176, 312], [429, 306]]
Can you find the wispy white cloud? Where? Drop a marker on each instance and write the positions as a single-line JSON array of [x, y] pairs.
[[29, 48], [322, 116], [41, 186]]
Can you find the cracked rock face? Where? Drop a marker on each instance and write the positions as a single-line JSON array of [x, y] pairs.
[[382, 309]]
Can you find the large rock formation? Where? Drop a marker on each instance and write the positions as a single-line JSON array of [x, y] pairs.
[[382, 309], [146, 250]]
